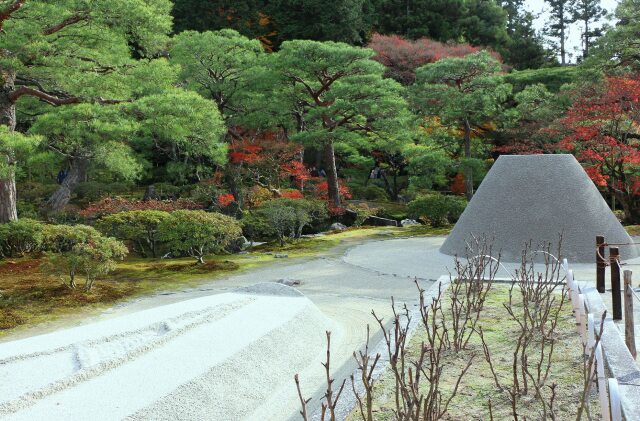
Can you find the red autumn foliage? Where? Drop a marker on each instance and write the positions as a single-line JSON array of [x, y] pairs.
[[321, 189], [268, 157], [457, 184], [225, 200], [112, 205], [603, 131], [292, 194], [402, 57]]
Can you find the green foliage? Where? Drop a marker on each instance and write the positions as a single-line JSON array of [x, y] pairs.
[[92, 191], [618, 50], [218, 65], [63, 238], [20, 237], [256, 227], [322, 20], [140, 228], [553, 78], [91, 132], [369, 192], [289, 217], [91, 255], [437, 208], [196, 233], [181, 127], [436, 19], [14, 150], [459, 89]]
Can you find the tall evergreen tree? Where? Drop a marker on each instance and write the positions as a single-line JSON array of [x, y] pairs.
[[619, 47], [588, 13], [435, 19], [560, 17], [321, 20]]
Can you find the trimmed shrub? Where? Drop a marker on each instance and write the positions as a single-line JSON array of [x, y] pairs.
[[140, 228], [113, 205], [94, 257], [20, 237], [437, 208], [62, 238], [289, 217], [196, 233], [255, 226]]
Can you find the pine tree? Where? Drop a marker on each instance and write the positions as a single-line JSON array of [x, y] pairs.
[[588, 12], [559, 20]]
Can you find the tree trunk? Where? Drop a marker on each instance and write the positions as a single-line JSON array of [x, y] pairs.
[[468, 170], [562, 48], [332, 175], [60, 198], [8, 200]]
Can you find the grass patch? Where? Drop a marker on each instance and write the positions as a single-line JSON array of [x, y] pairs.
[[477, 386], [633, 229], [30, 295]]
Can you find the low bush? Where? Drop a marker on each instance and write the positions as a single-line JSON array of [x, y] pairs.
[[92, 256], [255, 226], [20, 237], [113, 205], [289, 217], [370, 192], [62, 238], [437, 208], [197, 233], [140, 228]]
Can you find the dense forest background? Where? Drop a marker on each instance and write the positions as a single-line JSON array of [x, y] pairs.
[[110, 106]]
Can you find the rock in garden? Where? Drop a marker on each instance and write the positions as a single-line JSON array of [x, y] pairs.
[[280, 256], [409, 222], [289, 282], [337, 226]]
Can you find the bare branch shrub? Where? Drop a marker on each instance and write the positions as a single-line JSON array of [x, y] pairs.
[[366, 368], [536, 299], [468, 290]]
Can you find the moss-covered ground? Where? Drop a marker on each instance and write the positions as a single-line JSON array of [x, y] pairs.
[[30, 295]]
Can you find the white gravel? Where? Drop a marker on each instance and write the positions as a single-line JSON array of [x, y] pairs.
[[222, 357]]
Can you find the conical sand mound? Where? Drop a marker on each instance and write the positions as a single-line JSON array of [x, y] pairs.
[[537, 197]]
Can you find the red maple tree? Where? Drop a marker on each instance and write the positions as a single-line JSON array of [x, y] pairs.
[[402, 57], [603, 131]]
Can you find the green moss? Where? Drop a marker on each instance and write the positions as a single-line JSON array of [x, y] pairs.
[[30, 295]]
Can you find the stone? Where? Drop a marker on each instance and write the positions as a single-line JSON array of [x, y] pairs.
[[537, 198], [409, 222], [380, 222], [289, 282], [280, 256], [337, 226]]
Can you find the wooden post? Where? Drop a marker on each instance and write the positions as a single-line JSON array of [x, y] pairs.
[[600, 264], [616, 298], [629, 323]]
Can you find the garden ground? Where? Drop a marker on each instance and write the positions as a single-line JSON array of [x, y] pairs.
[[344, 275]]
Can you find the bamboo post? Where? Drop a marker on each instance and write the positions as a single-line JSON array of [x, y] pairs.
[[600, 264], [602, 385], [614, 399], [629, 322], [616, 298]]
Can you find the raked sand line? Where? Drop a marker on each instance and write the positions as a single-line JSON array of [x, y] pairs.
[[87, 369], [142, 380]]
